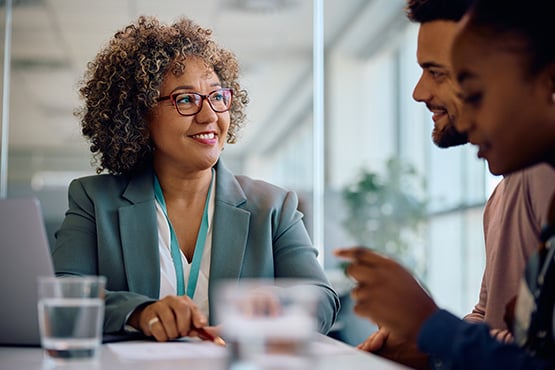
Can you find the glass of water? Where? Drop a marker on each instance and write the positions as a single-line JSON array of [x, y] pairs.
[[71, 314], [267, 324]]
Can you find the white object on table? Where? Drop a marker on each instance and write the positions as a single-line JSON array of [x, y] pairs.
[[332, 355]]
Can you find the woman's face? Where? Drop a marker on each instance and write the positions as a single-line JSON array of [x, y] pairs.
[[192, 143], [507, 113]]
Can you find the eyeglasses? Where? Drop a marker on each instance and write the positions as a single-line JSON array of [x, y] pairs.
[[190, 103]]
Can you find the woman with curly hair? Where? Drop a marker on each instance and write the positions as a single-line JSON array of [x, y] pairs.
[[164, 219]]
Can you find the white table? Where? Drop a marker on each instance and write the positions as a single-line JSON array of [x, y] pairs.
[[332, 355]]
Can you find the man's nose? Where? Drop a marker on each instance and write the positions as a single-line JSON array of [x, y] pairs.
[[421, 92]]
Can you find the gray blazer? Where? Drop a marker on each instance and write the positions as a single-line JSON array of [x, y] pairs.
[[110, 229]]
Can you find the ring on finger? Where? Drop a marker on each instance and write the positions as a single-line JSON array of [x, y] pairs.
[[152, 321]]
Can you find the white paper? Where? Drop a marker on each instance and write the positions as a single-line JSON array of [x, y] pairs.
[[168, 350], [327, 348], [193, 348]]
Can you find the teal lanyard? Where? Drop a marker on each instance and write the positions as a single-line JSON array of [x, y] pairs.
[[174, 245]]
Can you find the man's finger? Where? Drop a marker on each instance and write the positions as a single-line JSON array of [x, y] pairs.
[[361, 254]]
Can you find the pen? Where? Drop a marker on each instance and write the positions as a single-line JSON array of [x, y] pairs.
[[213, 338]]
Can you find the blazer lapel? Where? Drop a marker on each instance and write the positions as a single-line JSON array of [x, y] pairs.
[[139, 233], [139, 236], [231, 227]]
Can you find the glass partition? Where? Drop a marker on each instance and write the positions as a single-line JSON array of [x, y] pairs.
[[371, 127]]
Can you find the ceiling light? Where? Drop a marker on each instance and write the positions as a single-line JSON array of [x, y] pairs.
[[262, 6]]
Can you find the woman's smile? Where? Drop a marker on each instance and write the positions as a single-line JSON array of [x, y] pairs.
[[207, 137]]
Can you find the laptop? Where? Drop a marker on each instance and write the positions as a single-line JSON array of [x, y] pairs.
[[24, 255]]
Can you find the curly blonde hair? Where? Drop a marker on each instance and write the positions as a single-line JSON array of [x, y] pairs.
[[122, 84]]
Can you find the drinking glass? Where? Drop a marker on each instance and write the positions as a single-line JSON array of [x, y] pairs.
[[267, 324], [71, 313]]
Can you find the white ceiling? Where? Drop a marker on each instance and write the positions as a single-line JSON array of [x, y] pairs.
[[52, 40]]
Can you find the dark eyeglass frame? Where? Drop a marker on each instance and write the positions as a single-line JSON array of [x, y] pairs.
[[172, 97]]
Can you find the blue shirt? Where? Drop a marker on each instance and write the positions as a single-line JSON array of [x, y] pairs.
[[468, 346]]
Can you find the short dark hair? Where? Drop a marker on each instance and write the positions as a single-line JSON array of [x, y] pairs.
[[423, 11], [531, 22]]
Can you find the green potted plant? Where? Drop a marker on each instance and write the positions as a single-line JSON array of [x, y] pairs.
[[385, 212]]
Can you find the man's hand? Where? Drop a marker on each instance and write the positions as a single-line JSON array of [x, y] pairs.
[[387, 293], [375, 341], [401, 351]]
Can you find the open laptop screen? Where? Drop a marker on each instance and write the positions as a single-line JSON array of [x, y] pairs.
[[24, 255]]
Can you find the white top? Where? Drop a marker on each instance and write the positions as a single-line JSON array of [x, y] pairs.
[[168, 279]]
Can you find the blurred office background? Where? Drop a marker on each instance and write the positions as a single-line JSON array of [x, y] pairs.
[[331, 114]]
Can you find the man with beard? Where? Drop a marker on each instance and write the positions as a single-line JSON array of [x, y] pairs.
[[516, 210]]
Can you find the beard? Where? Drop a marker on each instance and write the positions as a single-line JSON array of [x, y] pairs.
[[448, 136]]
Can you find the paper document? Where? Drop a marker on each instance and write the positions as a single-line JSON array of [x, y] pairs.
[[192, 348], [168, 350]]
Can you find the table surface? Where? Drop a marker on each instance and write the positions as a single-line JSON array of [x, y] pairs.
[[332, 354]]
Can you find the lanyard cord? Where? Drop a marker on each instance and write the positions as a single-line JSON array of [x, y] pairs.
[[174, 244]]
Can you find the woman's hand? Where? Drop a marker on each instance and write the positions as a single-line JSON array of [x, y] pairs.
[[169, 318]]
